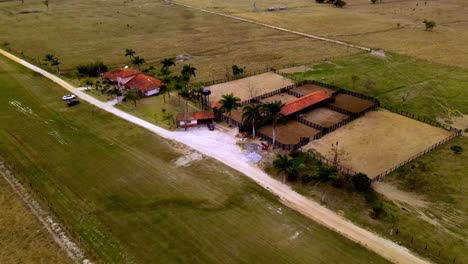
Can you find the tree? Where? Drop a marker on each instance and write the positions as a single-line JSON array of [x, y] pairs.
[[339, 3], [361, 182], [228, 103], [236, 70], [46, 3], [285, 165], [429, 24], [138, 61], [54, 61], [187, 72], [169, 117], [133, 95], [251, 115], [273, 115], [129, 53], [167, 62]]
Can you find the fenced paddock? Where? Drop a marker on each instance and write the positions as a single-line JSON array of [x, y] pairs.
[[290, 133], [308, 88], [324, 117], [351, 103], [249, 87], [282, 97], [379, 141]]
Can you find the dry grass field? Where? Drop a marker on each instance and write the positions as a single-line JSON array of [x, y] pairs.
[[378, 141], [22, 238], [83, 31], [249, 87], [393, 25]]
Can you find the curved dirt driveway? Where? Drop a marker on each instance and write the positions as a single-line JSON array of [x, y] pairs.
[[221, 147]]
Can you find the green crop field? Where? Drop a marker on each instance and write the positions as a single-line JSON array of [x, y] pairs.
[[117, 188], [23, 239]]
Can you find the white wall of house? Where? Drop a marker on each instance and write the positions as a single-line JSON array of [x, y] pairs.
[[152, 92]]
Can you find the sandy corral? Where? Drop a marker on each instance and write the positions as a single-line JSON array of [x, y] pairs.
[[282, 97], [378, 141], [309, 88], [351, 103], [289, 133], [249, 87], [324, 116]]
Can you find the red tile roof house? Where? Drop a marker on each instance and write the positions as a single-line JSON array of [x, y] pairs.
[[132, 79], [305, 102]]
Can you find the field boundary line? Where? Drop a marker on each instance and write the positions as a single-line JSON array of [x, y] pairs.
[[63, 240], [309, 208], [277, 28]]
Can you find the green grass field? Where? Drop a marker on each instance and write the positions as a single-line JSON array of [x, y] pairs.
[[116, 187], [430, 90], [23, 239], [427, 89]]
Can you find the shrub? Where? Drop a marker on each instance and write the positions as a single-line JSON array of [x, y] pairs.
[[320, 1], [361, 182], [92, 69], [429, 24], [456, 149], [378, 210], [236, 70], [339, 3]]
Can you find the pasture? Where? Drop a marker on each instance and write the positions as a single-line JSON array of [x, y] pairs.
[[117, 187], [101, 30], [378, 141], [371, 25], [23, 239]]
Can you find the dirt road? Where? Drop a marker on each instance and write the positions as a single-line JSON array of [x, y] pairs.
[[222, 147], [278, 28]]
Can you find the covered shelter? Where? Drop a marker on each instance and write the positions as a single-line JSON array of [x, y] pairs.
[[305, 102], [191, 119]]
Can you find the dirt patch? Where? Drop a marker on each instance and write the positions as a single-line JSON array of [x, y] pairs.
[[289, 133], [186, 160], [249, 87], [379, 141], [282, 97], [351, 103], [310, 88], [324, 116], [460, 122]]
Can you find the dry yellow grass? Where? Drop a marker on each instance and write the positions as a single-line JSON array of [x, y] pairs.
[[83, 31], [378, 141], [393, 25], [22, 238]]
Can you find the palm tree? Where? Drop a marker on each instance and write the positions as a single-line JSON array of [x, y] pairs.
[[228, 103], [133, 95], [138, 61], [187, 72], [273, 115], [167, 62], [251, 115], [130, 53], [285, 165]]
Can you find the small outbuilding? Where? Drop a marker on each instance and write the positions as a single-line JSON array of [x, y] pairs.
[[191, 119]]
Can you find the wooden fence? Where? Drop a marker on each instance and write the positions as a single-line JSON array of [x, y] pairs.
[[236, 77]]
